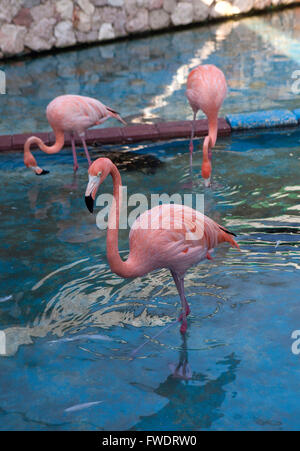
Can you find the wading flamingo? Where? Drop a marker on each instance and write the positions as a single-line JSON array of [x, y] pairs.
[[73, 114], [206, 91], [167, 236]]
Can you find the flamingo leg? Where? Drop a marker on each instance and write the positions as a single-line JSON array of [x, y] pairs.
[[182, 318], [75, 165], [179, 288], [192, 137], [86, 151]]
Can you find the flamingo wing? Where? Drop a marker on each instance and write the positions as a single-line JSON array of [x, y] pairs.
[[174, 236]]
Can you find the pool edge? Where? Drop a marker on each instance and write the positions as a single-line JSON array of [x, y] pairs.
[[163, 131]]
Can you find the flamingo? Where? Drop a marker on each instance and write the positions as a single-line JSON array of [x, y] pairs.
[[69, 113], [169, 236], [206, 91]]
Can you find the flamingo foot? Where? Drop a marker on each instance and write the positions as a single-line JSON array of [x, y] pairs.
[[187, 312]]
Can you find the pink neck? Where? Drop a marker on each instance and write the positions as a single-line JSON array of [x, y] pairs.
[[213, 128], [124, 269], [59, 142]]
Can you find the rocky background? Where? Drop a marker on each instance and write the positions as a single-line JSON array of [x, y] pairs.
[[39, 25]]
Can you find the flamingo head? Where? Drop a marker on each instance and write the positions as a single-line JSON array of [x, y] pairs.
[[31, 163], [206, 163], [29, 159], [206, 173], [98, 171]]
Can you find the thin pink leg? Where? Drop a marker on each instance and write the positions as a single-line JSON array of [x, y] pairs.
[[182, 318], [192, 138], [86, 151], [185, 306], [75, 165]]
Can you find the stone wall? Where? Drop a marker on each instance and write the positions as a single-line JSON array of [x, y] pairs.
[[39, 25]]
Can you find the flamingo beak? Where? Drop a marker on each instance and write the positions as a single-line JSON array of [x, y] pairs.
[[90, 193], [39, 171], [89, 202], [44, 172]]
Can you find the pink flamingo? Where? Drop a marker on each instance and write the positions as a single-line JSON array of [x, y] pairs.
[[206, 91], [69, 113], [167, 236]]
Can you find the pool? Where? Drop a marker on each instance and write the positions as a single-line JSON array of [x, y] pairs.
[[150, 73], [71, 324]]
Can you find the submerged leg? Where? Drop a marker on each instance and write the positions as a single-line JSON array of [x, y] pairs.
[[179, 282], [86, 151], [186, 312], [178, 286], [75, 164]]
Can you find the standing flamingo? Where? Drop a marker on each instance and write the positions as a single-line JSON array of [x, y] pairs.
[[206, 91], [167, 236], [69, 113]]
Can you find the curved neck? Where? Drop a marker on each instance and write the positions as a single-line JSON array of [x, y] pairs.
[[56, 147], [213, 128], [124, 269], [206, 149]]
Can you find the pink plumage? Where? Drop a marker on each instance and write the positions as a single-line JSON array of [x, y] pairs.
[[167, 236], [206, 91], [73, 114]]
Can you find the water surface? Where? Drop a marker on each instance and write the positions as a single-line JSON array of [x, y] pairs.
[[71, 324]]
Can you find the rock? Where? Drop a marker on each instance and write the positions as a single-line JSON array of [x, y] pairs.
[[131, 7], [43, 11], [40, 36], [31, 3], [86, 6], [120, 23], [108, 14], [64, 34], [201, 10], [92, 36], [100, 2], [243, 6], [222, 9], [154, 4], [117, 3], [138, 23], [97, 19], [159, 18], [261, 4], [9, 9], [142, 3], [83, 22], [12, 39], [64, 9], [106, 32], [183, 14], [23, 18], [169, 6]]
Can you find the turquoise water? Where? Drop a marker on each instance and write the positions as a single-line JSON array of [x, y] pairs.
[[71, 324], [145, 79]]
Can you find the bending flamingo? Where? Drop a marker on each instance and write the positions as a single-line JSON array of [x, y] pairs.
[[206, 91], [69, 113], [167, 236]]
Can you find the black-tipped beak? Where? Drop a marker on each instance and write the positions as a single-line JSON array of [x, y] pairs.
[[43, 172], [89, 202]]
